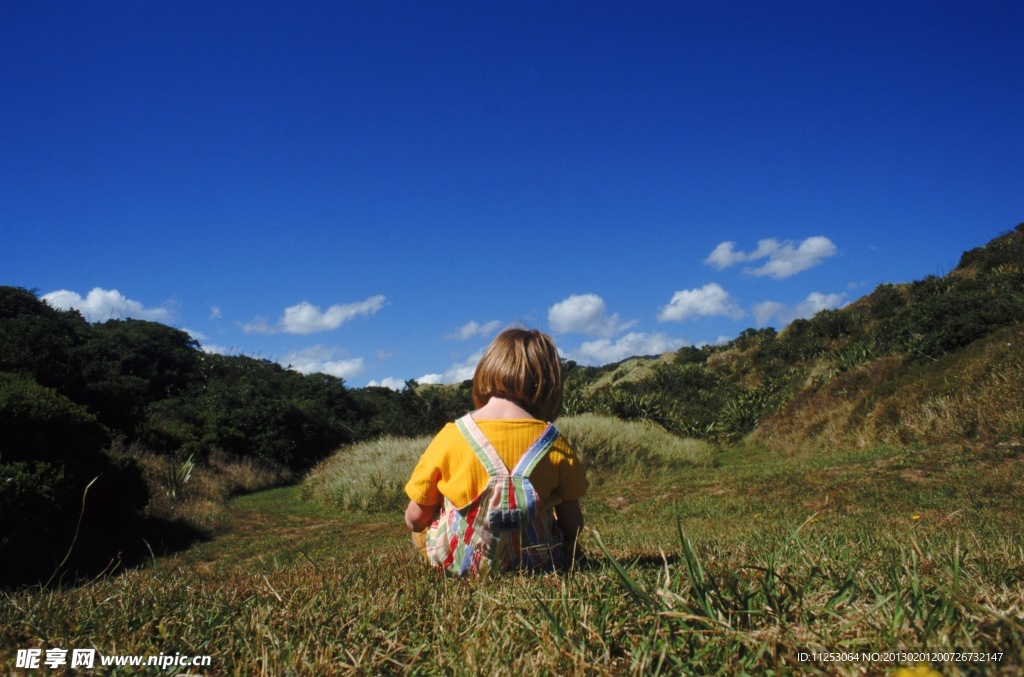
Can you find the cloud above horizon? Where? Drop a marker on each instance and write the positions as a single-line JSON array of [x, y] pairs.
[[784, 258], [320, 359], [305, 318], [101, 304], [457, 372], [585, 314], [606, 350], [388, 382], [766, 311], [708, 301]]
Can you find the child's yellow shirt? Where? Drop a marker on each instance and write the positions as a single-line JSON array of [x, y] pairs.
[[449, 468]]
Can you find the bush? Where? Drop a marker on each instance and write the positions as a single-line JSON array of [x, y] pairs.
[[741, 415], [798, 342], [885, 301], [1007, 249], [949, 321], [833, 324], [53, 451]]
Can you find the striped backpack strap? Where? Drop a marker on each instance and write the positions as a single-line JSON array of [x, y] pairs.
[[482, 446], [536, 452]]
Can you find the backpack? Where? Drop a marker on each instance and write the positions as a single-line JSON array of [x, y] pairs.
[[506, 527]]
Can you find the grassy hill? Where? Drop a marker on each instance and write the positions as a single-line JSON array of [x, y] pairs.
[[935, 361]]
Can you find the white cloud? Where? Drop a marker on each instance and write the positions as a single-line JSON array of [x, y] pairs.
[[473, 329], [215, 313], [784, 258], [766, 310], [259, 325], [816, 301], [305, 318], [457, 372], [100, 305], [585, 314], [604, 350], [725, 254], [321, 360], [783, 314], [389, 382], [708, 301], [210, 348]]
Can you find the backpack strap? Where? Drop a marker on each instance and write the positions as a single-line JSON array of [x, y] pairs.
[[482, 446], [536, 452]]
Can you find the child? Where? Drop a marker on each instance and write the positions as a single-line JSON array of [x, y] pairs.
[[467, 510]]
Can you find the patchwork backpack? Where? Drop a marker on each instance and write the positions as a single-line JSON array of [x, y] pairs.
[[507, 526]]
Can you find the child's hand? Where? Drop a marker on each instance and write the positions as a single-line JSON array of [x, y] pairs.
[[418, 516]]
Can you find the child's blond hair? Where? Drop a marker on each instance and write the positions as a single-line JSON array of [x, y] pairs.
[[521, 365]]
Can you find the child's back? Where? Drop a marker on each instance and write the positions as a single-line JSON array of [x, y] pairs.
[[507, 525], [473, 512]]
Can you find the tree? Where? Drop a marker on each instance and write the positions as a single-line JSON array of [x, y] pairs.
[[39, 341], [129, 364]]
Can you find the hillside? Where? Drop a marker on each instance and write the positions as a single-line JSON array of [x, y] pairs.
[[935, 361]]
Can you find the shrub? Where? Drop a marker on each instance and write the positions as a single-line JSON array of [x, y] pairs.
[[885, 301], [852, 355], [797, 341], [1007, 249], [248, 407], [830, 325], [946, 322], [741, 415], [53, 452]]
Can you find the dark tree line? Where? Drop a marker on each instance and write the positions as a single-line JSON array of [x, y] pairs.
[[72, 392]]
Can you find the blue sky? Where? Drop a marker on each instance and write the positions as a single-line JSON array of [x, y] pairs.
[[374, 189]]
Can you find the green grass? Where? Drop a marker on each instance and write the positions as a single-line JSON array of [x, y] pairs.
[[730, 562]]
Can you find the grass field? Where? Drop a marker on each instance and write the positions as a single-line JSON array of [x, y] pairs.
[[698, 562]]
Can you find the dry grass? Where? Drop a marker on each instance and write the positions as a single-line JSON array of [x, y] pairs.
[[366, 476], [608, 445], [197, 494], [728, 566], [975, 396]]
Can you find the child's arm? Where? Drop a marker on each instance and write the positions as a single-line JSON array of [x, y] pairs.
[[418, 516], [570, 521]]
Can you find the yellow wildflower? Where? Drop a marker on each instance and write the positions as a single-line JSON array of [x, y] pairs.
[[918, 671]]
